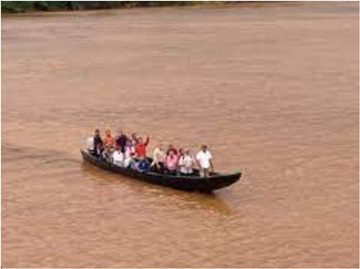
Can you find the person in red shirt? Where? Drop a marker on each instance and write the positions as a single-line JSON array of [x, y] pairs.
[[140, 147]]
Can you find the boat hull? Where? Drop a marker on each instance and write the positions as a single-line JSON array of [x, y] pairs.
[[187, 183]]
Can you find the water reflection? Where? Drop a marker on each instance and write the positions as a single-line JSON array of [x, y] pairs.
[[190, 200]]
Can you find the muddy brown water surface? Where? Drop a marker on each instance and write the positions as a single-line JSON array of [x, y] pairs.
[[272, 89]]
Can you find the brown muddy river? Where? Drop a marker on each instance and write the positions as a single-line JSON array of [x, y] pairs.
[[273, 89]]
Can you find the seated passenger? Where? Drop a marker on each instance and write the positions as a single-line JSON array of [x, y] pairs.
[[171, 162], [129, 153], [118, 158], [129, 148], [159, 158], [171, 148], [140, 147], [187, 163], [180, 153], [141, 165], [98, 144]]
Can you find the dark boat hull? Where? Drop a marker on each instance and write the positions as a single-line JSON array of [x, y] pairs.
[[188, 183]]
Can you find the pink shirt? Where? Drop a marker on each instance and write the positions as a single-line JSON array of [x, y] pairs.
[[171, 161]]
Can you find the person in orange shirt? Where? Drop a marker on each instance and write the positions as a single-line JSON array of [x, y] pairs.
[[140, 147], [109, 140], [109, 143]]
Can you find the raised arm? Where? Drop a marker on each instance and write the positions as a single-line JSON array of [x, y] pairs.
[[133, 136], [147, 141]]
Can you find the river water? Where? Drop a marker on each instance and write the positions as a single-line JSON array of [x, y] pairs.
[[272, 88]]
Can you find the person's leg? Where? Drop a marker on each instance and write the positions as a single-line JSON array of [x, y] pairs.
[[110, 154], [107, 155], [156, 167], [166, 170], [100, 153], [159, 168], [131, 163], [127, 162], [162, 167]]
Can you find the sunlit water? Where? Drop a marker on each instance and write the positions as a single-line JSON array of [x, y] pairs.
[[272, 89]]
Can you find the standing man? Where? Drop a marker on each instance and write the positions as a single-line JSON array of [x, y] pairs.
[[98, 143], [120, 141], [204, 161]]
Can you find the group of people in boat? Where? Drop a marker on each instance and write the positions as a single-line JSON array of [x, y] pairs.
[[131, 152]]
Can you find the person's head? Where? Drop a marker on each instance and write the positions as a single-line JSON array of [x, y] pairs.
[[187, 152], [140, 140], [161, 146], [181, 151], [204, 148], [97, 132], [108, 132]]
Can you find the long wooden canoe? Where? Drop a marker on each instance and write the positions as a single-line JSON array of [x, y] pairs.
[[187, 183]]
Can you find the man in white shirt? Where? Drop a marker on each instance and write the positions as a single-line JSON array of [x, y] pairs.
[[186, 163], [204, 161]]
